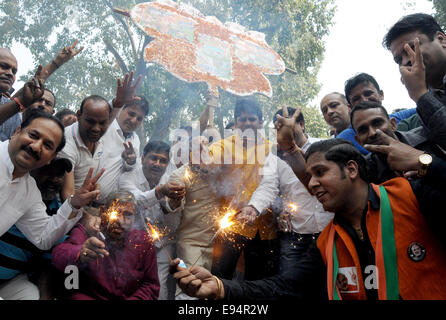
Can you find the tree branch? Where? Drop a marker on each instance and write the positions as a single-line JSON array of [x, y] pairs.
[[115, 53], [125, 25]]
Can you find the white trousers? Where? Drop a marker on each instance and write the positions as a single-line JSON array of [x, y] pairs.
[[167, 282]]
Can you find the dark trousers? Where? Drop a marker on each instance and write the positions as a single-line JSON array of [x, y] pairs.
[[261, 257], [293, 246]]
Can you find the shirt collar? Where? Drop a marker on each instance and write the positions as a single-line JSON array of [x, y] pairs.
[[74, 131], [118, 129], [6, 159]]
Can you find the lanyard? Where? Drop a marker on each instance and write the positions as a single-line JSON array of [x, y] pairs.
[[385, 256]]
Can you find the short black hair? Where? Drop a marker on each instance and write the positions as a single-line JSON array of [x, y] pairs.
[[424, 23], [35, 114], [247, 105], [367, 105], [143, 104], [341, 152], [230, 125], [63, 113], [94, 98], [156, 146], [57, 167], [359, 78], [300, 118], [54, 96]]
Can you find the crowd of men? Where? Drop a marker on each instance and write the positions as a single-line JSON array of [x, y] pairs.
[[356, 216]]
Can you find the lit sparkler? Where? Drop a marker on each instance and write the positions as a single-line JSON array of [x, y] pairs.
[[156, 235], [112, 213], [293, 207], [224, 223]]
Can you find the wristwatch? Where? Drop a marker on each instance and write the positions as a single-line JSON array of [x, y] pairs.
[[73, 209], [425, 161]]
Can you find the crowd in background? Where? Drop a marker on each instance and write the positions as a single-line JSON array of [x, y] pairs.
[[88, 212]]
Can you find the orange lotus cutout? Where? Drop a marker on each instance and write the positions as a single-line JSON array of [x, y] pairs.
[[196, 48]]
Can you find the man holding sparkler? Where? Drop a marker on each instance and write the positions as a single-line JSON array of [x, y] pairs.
[[122, 265], [199, 208], [302, 217], [143, 182], [240, 158]]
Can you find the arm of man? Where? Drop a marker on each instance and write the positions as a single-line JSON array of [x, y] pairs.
[[268, 189], [127, 181], [43, 230], [429, 191], [64, 55], [67, 252], [430, 107], [309, 282], [68, 185]]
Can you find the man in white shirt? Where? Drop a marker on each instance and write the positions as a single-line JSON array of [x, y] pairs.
[[34, 145], [86, 145], [302, 217], [143, 182], [121, 137]]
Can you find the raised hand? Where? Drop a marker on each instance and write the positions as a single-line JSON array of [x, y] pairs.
[[88, 191], [285, 128], [32, 90], [414, 76], [400, 156], [92, 249], [129, 154], [125, 92], [67, 53]]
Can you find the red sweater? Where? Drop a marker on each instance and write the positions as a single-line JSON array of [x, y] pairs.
[[128, 273]]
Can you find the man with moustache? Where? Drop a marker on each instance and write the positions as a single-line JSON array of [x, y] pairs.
[[336, 107], [143, 182], [373, 126], [120, 267], [33, 145]]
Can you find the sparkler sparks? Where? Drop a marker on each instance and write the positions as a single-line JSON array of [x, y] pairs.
[[224, 222], [112, 213], [293, 207], [156, 235], [187, 174], [227, 220]]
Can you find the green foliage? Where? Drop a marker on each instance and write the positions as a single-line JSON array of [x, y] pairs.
[[440, 15], [113, 46]]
